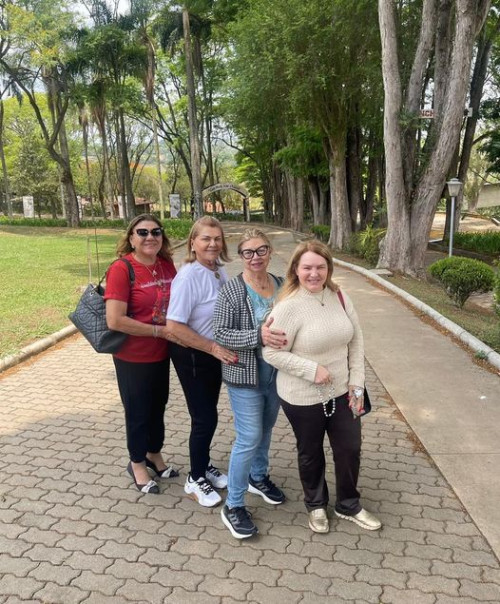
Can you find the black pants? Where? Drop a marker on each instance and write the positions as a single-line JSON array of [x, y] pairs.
[[144, 392], [344, 433], [200, 375]]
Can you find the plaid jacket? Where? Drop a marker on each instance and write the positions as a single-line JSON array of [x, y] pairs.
[[235, 328]]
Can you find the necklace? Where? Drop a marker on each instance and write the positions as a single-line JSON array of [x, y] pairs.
[[322, 297], [214, 270], [156, 274], [216, 273], [259, 285]]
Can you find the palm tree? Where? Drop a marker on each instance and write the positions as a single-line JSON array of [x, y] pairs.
[[6, 86], [110, 55], [174, 25]]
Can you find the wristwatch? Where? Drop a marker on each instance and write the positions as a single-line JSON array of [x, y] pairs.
[[358, 392]]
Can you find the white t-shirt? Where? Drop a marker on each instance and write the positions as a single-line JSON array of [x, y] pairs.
[[192, 297]]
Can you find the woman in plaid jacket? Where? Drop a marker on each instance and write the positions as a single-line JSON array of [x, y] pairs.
[[240, 324]]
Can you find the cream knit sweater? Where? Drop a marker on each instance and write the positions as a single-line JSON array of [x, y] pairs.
[[317, 335]]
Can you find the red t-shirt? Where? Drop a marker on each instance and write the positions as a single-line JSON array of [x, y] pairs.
[[147, 302]]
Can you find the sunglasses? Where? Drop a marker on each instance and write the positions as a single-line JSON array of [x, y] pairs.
[[260, 251], [157, 232]]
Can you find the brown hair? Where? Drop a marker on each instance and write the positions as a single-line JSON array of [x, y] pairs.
[[205, 221], [254, 234], [124, 247], [291, 284]]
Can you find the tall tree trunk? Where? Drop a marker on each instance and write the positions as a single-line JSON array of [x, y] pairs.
[[475, 96], [323, 207], [368, 201], [267, 192], [6, 184], [414, 91], [161, 199], [291, 215], [340, 230], [70, 198], [208, 128], [395, 247], [409, 225], [313, 186], [354, 181], [193, 119], [150, 94], [85, 134], [299, 200], [125, 166]]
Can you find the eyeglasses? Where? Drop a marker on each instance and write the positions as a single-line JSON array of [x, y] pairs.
[[260, 251], [157, 232]]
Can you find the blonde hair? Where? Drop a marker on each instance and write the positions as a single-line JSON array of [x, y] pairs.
[[124, 246], [292, 284], [254, 234], [205, 221]]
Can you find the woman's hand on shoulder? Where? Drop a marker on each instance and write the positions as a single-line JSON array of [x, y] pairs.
[[274, 338], [223, 354]]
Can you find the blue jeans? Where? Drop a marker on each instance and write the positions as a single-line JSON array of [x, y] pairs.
[[255, 411]]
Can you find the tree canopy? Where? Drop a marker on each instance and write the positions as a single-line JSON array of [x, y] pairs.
[[315, 107]]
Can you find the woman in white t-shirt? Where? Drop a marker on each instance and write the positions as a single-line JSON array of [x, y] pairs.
[[197, 360]]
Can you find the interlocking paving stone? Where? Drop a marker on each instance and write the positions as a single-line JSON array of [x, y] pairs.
[[392, 595], [150, 592], [73, 528], [51, 592], [10, 585]]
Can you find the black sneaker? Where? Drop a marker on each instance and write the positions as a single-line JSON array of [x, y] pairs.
[[239, 522], [266, 489]]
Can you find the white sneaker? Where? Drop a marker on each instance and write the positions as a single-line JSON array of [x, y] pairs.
[[216, 477], [201, 491]]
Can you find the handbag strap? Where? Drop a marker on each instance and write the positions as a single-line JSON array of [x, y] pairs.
[[131, 273], [341, 298]]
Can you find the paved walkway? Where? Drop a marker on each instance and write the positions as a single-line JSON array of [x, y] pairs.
[[73, 529]]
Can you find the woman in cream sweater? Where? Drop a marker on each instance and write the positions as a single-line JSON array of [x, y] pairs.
[[320, 382]]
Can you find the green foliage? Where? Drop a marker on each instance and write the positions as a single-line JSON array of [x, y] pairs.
[[486, 242], [176, 228], [321, 232], [33, 222], [462, 277], [304, 155], [369, 241], [366, 244], [496, 289]]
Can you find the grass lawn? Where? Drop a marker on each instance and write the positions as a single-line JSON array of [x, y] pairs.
[[44, 270]]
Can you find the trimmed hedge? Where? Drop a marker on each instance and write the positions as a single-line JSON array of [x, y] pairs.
[[176, 228], [486, 242], [462, 277], [496, 291]]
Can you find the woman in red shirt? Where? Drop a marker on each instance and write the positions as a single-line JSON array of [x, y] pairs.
[[142, 363]]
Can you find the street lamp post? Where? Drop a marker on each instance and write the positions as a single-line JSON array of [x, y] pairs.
[[454, 186]]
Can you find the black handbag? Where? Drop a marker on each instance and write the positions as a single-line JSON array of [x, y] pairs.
[[367, 405], [89, 317]]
